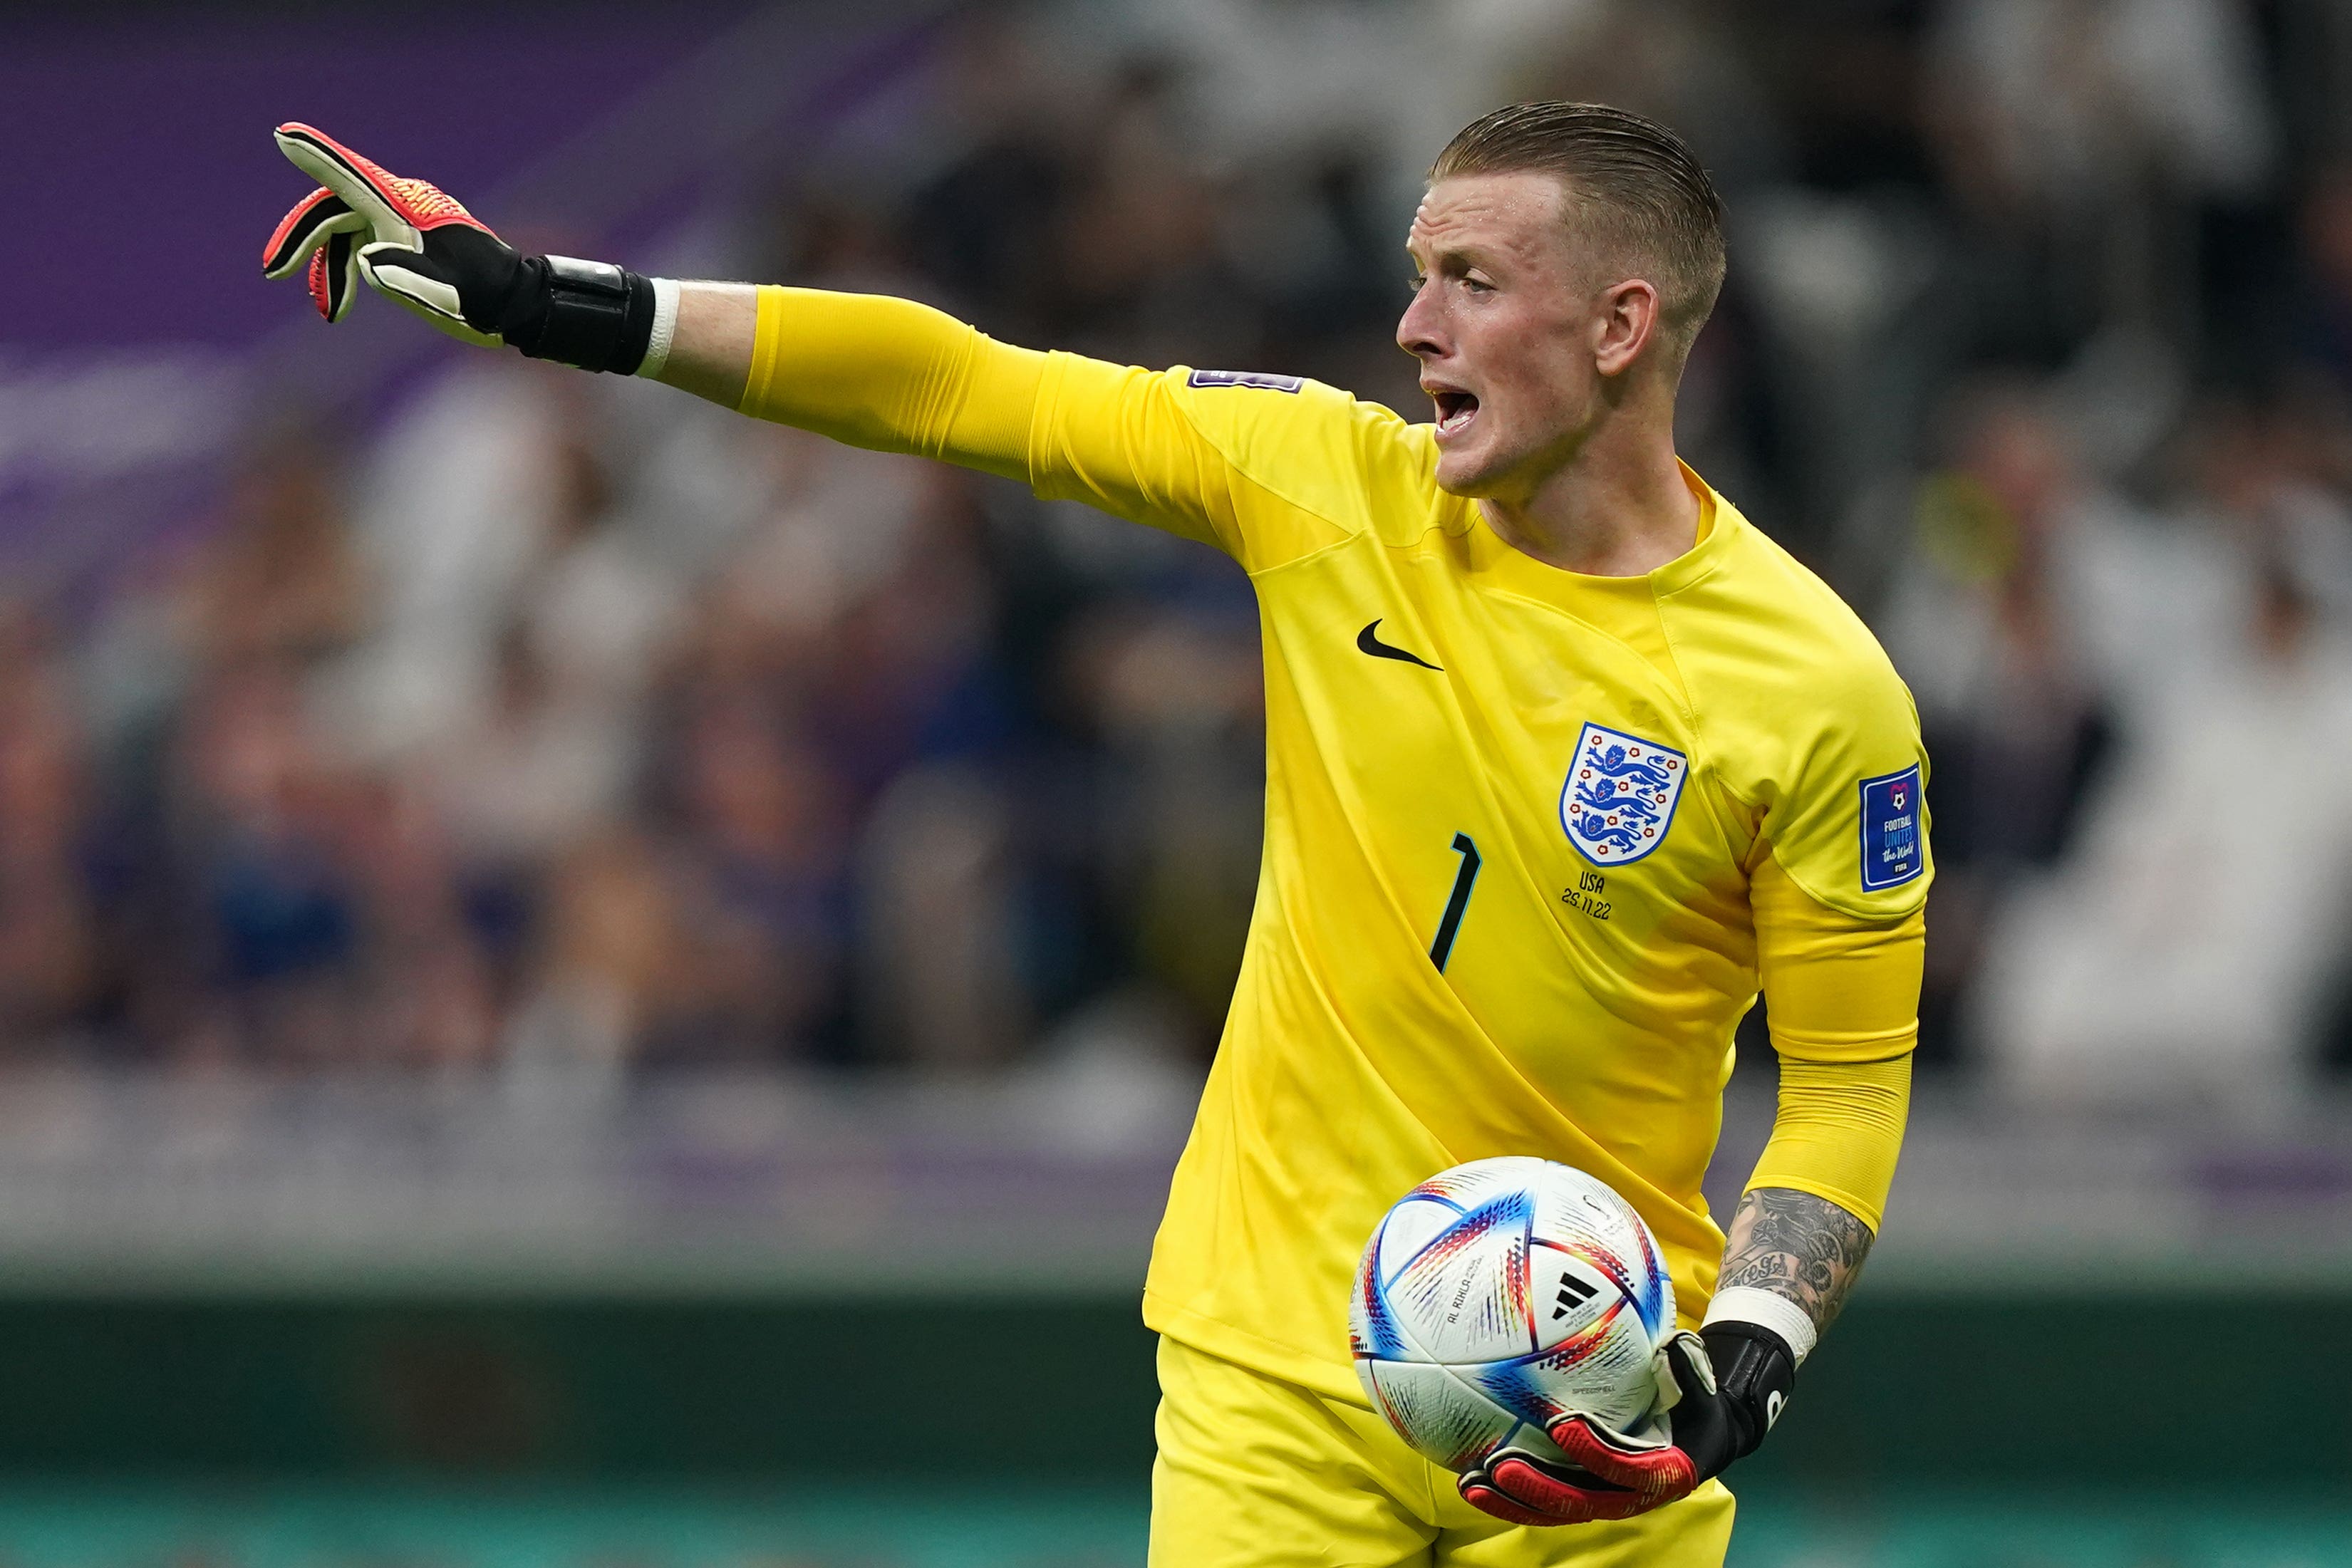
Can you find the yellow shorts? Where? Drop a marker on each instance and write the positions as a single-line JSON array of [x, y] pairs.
[[1254, 1472]]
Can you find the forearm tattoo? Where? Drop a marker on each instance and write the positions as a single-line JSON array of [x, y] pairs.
[[1795, 1245]]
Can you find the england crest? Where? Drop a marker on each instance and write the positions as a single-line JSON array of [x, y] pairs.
[[1620, 795]]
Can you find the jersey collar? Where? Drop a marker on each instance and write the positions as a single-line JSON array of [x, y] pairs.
[[1518, 572]]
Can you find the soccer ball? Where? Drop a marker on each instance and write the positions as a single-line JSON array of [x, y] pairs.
[[1501, 1295]]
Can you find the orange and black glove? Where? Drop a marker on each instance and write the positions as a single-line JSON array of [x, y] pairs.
[[414, 245], [1722, 1389]]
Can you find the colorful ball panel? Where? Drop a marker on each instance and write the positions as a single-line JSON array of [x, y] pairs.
[[1499, 1296]]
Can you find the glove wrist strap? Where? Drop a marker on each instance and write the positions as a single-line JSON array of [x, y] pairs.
[[588, 314], [1747, 1303], [1755, 1372]]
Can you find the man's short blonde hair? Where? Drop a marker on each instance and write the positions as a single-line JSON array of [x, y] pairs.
[[1635, 194]]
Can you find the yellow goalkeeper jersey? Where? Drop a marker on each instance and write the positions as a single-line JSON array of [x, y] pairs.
[[1519, 822], [1511, 815]]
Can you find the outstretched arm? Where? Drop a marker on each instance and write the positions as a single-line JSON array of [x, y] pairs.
[[884, 373], [710, 354]]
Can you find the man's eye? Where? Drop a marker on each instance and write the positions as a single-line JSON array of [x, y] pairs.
[[1478, 286], [1416, 281]]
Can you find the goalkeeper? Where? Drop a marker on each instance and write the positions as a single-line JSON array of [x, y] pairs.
[[1566, 762]]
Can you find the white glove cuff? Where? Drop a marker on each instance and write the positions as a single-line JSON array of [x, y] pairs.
[[1746, 1305], [664, 327]]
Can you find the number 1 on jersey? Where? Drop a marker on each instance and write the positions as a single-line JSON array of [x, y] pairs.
[[1443, 948]]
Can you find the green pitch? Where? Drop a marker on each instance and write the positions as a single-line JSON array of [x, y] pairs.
[[267, 1526]]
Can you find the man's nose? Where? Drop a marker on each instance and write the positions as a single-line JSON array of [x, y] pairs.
[[1420, 329]]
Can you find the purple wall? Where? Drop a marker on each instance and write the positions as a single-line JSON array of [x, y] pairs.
[[141, 180]]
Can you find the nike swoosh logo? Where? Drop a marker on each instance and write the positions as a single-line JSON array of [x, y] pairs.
[[1370, 644]]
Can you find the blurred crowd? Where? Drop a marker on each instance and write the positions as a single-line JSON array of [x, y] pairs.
[[569, 726]]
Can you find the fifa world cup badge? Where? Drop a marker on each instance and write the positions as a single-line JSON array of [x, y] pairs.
[[1620, 796], [1258, 378], [1891, 841]]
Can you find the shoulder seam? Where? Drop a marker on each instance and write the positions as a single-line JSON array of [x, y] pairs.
[[1844, 906], [1300, 560], [1244, 471]]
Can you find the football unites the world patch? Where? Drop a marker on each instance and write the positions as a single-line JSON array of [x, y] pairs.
[[1620, 795], [1891, 841], [1258, 378]]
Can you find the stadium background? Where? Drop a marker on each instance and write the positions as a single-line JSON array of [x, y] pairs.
[[584, 982]]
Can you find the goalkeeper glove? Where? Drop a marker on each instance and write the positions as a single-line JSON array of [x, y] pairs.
[[1722, 1389], [417, 247]]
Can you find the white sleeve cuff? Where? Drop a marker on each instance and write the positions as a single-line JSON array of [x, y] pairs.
[[664, 327], [1746, 1305]]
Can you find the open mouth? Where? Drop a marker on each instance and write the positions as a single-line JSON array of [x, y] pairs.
[[1455, 410]]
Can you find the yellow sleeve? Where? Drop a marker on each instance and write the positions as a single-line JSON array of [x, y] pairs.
[[893, 376], [1842, 996], [1265, 467], [1850, 824]]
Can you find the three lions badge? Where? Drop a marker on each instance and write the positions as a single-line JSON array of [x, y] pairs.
[[1620, 795]]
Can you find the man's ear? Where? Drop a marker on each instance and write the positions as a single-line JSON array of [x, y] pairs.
[[1626, 323]]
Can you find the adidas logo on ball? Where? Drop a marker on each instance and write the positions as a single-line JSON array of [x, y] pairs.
[[1573, 1293]]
